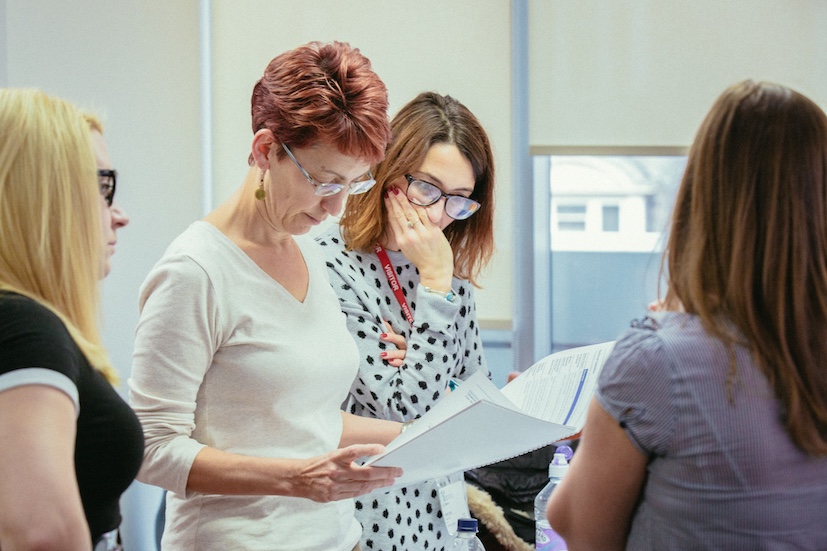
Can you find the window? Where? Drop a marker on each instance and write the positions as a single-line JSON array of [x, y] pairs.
[[616, 203], [608, 217], [611, 218], [571, 217]]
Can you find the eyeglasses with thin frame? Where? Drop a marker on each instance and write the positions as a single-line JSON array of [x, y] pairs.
[[325, 189], [107, 180], [424, 194]]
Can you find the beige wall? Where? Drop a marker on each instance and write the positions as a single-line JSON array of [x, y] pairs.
[[646, 72], [455, 48]]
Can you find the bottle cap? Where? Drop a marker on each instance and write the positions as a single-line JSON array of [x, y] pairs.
[[467, 525], [565, 450], [558, 466]]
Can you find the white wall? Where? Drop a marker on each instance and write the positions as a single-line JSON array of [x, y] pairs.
[[136, 65]]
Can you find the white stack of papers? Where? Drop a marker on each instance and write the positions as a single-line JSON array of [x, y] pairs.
[[477, 424]]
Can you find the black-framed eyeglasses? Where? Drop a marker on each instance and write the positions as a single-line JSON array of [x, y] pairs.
[[424, 194], [107, 180], [326, 189]]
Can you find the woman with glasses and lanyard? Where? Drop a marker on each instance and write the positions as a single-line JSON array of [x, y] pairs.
[[403, 263], [242, 356], [69, 445]]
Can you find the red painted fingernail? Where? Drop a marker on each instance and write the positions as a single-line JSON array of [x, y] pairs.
[[383, 354], [395, 190], [383, 335], [387, 194]]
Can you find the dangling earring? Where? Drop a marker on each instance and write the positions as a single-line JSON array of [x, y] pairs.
[[260, 193]]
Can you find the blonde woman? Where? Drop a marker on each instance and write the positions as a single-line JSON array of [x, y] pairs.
[[69, 445]]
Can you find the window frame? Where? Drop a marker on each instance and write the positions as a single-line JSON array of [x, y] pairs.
[[539, 224]]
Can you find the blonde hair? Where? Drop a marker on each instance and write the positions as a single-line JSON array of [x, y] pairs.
[[748, 244], [51, 242], [95, 124]]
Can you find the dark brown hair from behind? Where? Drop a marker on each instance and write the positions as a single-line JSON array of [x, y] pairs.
[[430, 119], [748, 243], [324, 93]]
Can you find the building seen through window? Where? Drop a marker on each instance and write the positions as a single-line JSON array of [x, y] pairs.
[[608, 218], [611, 203]]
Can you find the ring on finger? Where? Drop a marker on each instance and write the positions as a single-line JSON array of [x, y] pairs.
[[410, 224]]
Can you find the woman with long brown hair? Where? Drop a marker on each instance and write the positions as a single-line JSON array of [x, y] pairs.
[[709, 428], [404, 267]]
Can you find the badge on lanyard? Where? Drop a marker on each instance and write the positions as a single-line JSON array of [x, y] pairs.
[[453, 500]]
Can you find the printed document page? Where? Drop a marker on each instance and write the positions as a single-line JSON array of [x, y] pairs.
[[474, 389], [559, 387], [477, 424]]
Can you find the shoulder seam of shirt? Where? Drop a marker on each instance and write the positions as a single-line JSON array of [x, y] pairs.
[[41, 376]]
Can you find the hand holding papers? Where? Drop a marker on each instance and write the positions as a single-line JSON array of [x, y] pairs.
[[477, 424]]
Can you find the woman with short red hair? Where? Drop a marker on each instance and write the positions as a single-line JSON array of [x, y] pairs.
[[242, 356]]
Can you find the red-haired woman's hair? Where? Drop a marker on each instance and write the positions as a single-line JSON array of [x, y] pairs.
[[427, 120], [324, 93], [748, 244]]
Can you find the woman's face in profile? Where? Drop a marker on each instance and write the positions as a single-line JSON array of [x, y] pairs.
[[112, 217]]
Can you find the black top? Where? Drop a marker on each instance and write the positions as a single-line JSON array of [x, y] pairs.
[[109, 445]]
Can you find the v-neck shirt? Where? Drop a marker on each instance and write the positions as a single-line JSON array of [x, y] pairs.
[[226, 357]]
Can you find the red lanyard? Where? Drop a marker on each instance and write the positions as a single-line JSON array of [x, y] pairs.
[[387, 267]]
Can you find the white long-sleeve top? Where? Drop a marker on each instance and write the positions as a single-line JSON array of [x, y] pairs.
[[225, 357]]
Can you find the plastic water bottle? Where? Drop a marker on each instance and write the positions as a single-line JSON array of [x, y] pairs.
[[545, 538], [466, 538]]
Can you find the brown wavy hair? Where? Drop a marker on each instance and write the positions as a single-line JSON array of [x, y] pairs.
[[324, 93], [748, 243], [430, 119]]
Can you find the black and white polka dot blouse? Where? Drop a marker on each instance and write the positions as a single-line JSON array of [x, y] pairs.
[[443, 343]]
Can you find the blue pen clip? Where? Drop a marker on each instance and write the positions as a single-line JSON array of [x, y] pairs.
[[453, 384]]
